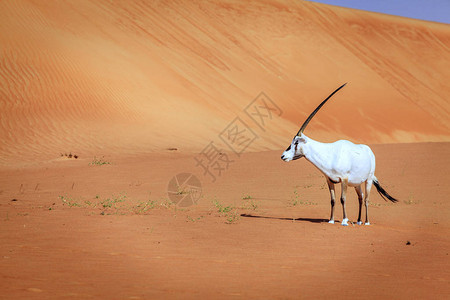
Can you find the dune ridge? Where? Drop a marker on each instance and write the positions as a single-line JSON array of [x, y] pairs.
[[95, 76]]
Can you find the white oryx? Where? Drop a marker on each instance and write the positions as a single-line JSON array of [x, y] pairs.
[[341, 161]]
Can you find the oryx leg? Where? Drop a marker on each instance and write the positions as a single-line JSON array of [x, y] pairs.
[[333, 199], [343, 197], [360, 199], [366, 200]]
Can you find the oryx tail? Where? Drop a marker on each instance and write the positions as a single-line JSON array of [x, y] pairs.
[[382, 191]]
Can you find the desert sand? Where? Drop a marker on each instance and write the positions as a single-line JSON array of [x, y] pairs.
[[143, 92]]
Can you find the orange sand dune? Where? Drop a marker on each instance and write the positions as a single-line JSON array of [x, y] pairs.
[[96, 77]]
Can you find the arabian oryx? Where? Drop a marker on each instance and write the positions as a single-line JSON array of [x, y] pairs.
[[341, 161]]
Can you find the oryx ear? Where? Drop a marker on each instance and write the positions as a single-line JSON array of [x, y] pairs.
[[300, 139]]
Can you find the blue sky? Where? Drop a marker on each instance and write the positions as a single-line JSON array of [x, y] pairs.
[[429, 10]]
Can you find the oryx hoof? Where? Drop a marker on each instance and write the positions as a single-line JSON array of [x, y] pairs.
[[367, 223], [344, 222], [359, 223], [331, 221]]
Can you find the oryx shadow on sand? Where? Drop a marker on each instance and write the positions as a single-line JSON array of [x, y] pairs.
[[312, 220]]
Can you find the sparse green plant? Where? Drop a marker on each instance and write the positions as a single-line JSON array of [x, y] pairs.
[[69, 201], [99, 161], [226, 209], [90, 204], [145, 206], [191, 219], [111, 202], [232, 217], [247, 197], [220, 208], [229, 212], [217, 204], [411, 200], [250, 204], [119, 204], [295, 200], [166, 203]]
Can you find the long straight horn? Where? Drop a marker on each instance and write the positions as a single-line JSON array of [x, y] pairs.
[[317, 109]]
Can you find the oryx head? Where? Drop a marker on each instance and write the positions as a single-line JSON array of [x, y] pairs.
[[295, 150]]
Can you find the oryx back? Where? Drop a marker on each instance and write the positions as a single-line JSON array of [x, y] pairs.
[[355, 162]]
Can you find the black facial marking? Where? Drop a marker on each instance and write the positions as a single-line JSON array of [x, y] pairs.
[[335, 182], [289, 148]]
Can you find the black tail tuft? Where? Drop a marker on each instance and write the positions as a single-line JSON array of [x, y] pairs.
[[382, 192]]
